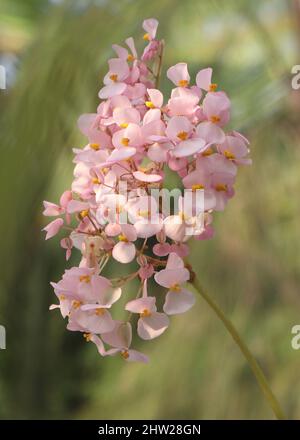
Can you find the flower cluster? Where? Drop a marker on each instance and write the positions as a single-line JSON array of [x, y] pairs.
[[111, 211]]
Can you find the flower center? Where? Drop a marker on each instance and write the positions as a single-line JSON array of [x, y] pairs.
[[130, 57], [197, 186], [214, 119], [149, 104], [212, 87], [76, 304], [85, 279], [62, 297], [87, 336], [146, 37], [100, 311], [175, 287], [183, 82], [125, 142], [113, 77], [84, 213], [221, 187], [145, 313], [124, 125], [207, 152], [125, 354], [95, 146], [96, 181], [182, 135], [229, 155], [123, 237]]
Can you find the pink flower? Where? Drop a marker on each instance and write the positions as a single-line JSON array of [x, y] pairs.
[[124, 251], [179, 75], [178, 300], [114, 79], [53, 228], [119, 338], [151, 323]]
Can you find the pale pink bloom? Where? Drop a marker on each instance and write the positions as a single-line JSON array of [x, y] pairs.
[[222, 184], [235, 148], [85, 286], [88, 124], [90, 318], [198, 180], [181, 249], [146, 271], [156, 99], [67, 243], [53, 228], [159, 152], [182, 102], [120, 338], [178, 300], [161, 249], [114, 79], [124, 251], [151, 323], [131, 136], [52, 210], [150, 25], [179, 75], [126, 115], [143, 213], [216, 109], [203, 80]]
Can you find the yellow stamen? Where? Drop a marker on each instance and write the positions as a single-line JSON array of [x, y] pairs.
[[76, 304], [122, 237], [143, 213], [84, 213], [212, 87], [130, 57], [85, 279], [215, 119], [221, 187], [175, 288], [100, 311], [125, 142], [87, 336], [146, 37], [124, 125], [149, 104], [208, 152], [105, 170], [182, 135], [145, 313], [62, 297], [229, 155], [113, 77], [95, 146], [96, 181], [182, 215], [197, 186], [125, 354], [183, 82]]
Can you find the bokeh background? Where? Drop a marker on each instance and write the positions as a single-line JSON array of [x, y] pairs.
[[55, 54]]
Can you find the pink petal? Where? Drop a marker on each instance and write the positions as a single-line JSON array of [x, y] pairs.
[[210, 132], [150, 26], [143, 177], [53, 228], [112, 90], [178, 302], [203, 78], [169, 277], [152, 326], [140, 304], [120, 336], [178, 73], [124, 252], [191, 146], [77, 206], [156, 97]]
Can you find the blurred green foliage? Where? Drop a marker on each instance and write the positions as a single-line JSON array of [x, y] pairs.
[[251, 266]]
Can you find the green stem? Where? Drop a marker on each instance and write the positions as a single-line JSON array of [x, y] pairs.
[[257, 371]]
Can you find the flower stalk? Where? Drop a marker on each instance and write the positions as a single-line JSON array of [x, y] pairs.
[[253, 364]]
